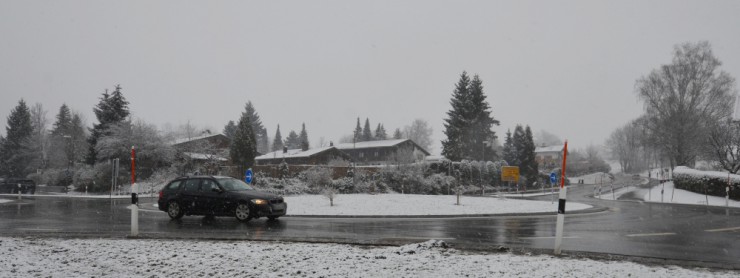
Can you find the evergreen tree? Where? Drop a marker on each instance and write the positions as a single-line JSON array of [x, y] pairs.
[[397, 134], [277, 143], [380, 133], [230, 129], [259, 130], [304, 138], [14, 159], [111, 110], [367, 134], [243, 147], [38, 144], [292, 141], [60, 134], [529, 167], [78, 141], [358, 132], [510, 150], [519, 141], [469, 122]]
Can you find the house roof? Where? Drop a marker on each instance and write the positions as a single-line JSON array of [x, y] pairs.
[[376, 144], [202, 156], [294, 153], [185, 140], [549, 149]]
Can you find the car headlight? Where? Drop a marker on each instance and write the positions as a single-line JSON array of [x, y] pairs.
[[259, 202]]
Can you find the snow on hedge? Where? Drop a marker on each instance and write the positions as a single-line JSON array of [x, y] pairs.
[[683, 172]]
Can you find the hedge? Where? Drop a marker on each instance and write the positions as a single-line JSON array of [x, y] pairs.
[[713, 182]]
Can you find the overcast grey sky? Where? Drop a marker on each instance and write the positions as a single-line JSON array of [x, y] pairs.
[[568, 67]]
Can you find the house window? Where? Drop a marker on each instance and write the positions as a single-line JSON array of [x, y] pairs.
[[362, 155], [376, 154]]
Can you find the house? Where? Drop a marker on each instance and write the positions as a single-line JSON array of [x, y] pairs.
[[548, 157], [204, 154], [383, 151], [318, 156]]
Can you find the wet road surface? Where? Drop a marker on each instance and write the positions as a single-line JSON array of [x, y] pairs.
[[669, 231]]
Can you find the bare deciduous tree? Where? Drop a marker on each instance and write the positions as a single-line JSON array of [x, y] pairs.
[[420, 132], [724, 145], [682, 98]]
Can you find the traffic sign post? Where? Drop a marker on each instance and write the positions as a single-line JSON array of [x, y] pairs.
[[561, 204], [249, 176], [553, 180]]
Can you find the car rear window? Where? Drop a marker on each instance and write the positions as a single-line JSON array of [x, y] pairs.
[[174, 185]]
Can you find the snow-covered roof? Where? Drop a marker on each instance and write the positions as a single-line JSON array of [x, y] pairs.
[[202, 156], [370, 144], [435, 158], [294, 153], [548, 149], [184, 140]]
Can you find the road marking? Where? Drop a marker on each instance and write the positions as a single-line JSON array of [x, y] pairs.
[[38, 230], [546, 237], [654, 234], [723, 230]]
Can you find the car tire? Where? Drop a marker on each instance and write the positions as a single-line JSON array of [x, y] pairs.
[[243, 212], [174, 210]]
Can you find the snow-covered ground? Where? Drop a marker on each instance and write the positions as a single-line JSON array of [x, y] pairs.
[[410, 204], [606, 192], [593, 178], [5, 201], [677, 196], [35, 257], [680, 196]]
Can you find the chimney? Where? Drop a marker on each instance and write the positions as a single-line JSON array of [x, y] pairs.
[[331, 144], [285, 149]]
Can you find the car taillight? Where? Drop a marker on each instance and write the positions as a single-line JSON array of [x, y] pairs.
[[160, 194]]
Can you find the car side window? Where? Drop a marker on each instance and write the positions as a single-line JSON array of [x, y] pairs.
[[208, 185], [191, 185], [174, 185]]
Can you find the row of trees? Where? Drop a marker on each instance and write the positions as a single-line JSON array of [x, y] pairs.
[[519, 150], [688, 106]]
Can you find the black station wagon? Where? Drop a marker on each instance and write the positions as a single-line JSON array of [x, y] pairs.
[[218, 196]]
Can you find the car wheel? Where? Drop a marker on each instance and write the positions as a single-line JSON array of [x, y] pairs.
[[242, 212], [174, 210]]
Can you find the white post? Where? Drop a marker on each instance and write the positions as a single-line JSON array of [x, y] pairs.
[[19, 191], [561, 220], [134, 213], [727, 197]]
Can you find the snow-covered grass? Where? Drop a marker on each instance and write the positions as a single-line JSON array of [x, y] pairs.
[[5, 201], [409, 204], [33, 257], [681, 196], [606, 192]]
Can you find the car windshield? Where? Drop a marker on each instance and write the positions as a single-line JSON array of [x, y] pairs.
[[232, 184]]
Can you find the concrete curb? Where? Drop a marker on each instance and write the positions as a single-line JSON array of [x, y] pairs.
[[553, 213]]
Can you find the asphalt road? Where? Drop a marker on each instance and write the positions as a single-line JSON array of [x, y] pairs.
[[665, 231]]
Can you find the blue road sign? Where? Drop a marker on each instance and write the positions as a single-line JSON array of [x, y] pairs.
[[553, 177], [248, 176]]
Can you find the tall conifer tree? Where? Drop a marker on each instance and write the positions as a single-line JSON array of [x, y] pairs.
[[277, 143], [243, 147], [13, 152], [303, 138]]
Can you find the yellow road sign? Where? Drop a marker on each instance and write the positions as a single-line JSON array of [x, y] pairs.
[[510, 173]]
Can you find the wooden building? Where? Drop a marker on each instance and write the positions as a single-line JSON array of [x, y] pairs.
[[384, 152], [318, 156]]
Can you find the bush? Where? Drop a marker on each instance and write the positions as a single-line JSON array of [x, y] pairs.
[[712, 182]]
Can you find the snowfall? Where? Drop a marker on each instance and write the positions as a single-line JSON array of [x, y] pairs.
[[49, 257]]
